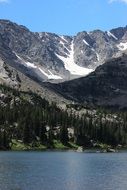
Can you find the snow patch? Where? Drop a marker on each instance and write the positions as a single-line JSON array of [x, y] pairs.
[[112, 35], [63, 38], [70, 65], [27, 63], [50, 75], [64, 46], [122, 46], [32, 65], [40, 34], [97, 55], [85, 42], [62, 43]]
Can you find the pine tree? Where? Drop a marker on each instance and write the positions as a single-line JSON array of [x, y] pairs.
[[64, 135]]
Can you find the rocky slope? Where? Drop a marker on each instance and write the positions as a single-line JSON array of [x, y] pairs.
[[11, 77], [106, 86], [50, 57]]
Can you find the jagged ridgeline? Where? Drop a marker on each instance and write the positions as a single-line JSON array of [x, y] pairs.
[[29, 122], [51, 57]]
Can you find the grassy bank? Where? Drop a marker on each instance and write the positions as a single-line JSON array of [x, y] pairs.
[[57, 145], [20, 146]]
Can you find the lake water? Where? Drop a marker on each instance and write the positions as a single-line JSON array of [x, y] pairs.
[[63, 171]]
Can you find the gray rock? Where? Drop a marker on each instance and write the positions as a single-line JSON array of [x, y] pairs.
[[28, 52], [106, 86]]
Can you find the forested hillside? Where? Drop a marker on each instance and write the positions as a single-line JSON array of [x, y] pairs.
[[29, 122]]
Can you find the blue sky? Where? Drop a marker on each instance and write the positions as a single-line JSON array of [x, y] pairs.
[[65, 16]]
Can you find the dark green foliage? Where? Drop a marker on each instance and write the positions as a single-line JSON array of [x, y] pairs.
[[64, 135], [33, 120]]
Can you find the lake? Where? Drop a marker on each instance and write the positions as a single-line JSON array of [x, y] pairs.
[[63, 171]]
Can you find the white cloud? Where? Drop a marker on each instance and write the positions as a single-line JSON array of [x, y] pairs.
[[124, 1], [3, 1]]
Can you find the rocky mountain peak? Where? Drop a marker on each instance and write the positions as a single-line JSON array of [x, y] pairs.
[[50, 57], [119, 32]]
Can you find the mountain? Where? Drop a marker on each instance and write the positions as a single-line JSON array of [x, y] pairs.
[[15, 79], [105, 87], [50, 57], [78, 73]]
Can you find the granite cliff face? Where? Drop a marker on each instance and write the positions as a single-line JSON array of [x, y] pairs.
[[50, 57]]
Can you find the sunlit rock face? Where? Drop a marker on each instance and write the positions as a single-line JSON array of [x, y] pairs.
[[50, 57]]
